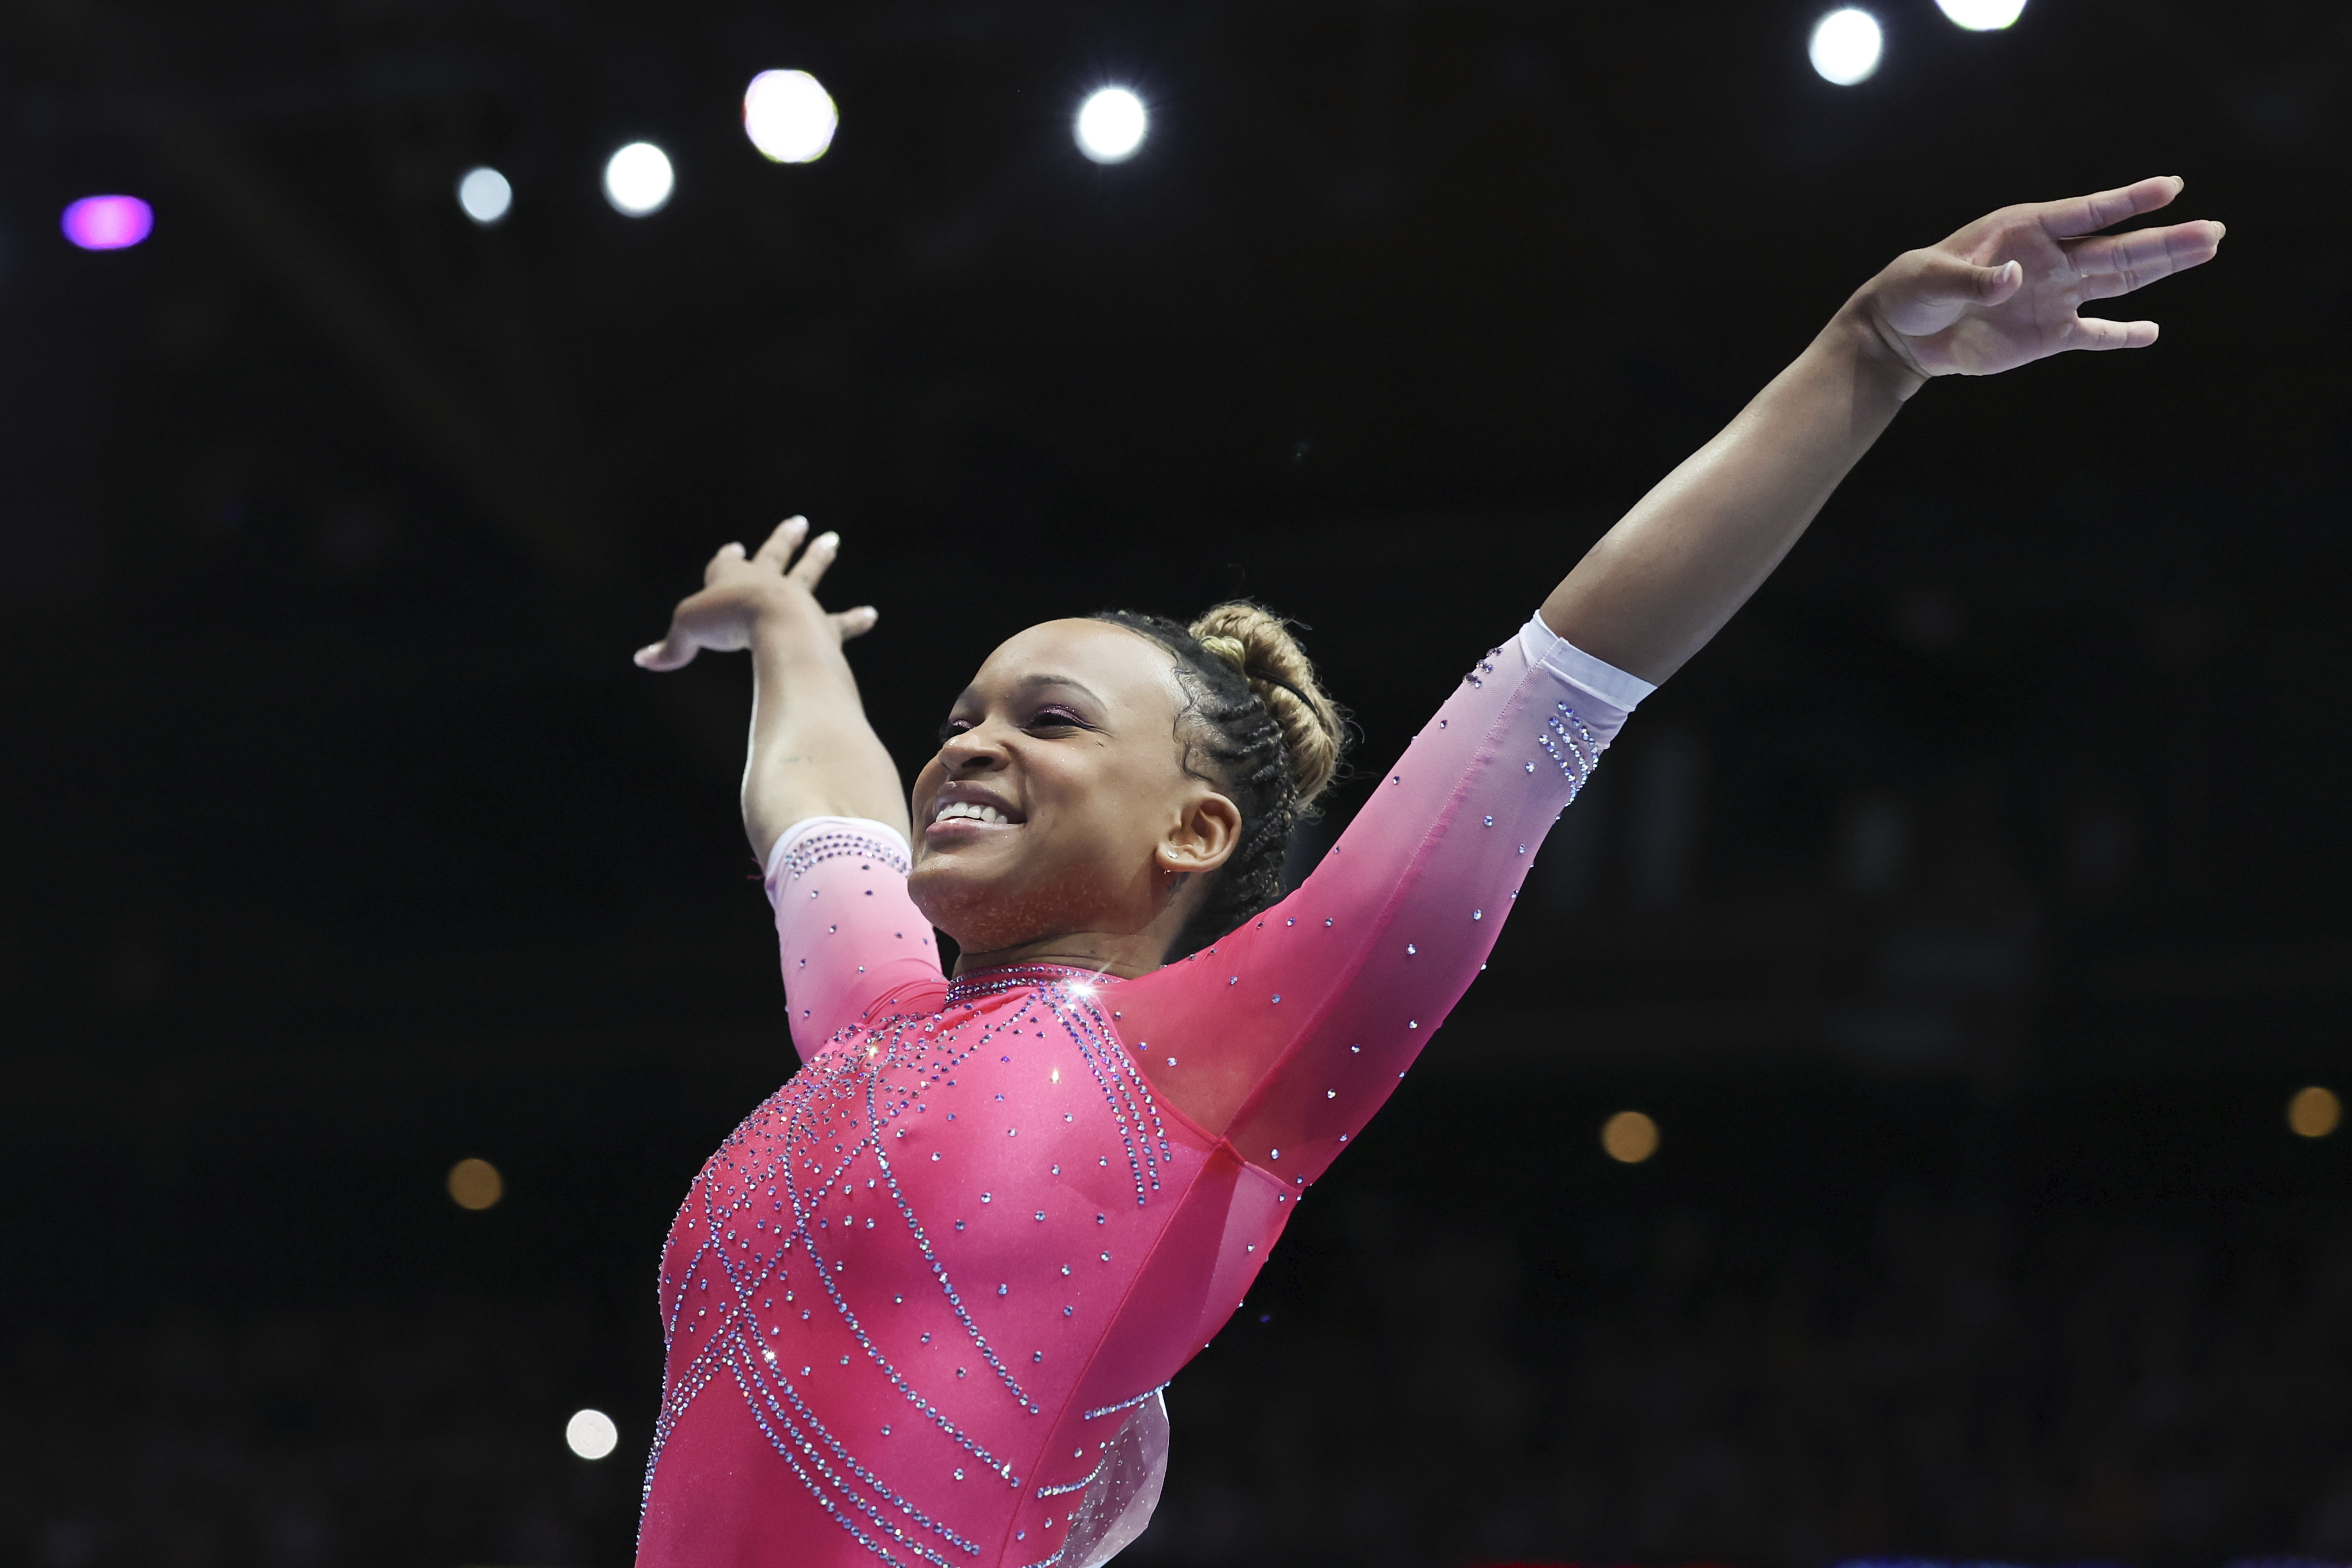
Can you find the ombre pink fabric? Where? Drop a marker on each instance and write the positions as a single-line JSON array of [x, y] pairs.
[[918, 1307]]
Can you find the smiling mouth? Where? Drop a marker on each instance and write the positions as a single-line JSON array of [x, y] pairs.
[[969, 811]]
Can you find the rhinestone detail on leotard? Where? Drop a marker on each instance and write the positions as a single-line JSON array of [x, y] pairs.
[[1122, 1405], [783, 1158], [832, 843], [1565, 729]]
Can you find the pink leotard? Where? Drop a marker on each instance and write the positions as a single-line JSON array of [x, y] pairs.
[[919, 1305]]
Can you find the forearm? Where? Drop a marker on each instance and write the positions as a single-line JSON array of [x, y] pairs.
[[812, 752], [1673, 570]]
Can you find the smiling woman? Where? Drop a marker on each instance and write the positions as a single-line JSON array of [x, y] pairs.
[[921, 1307], [1027, 740]]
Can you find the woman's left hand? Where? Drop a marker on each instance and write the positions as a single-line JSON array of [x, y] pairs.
[[2004, 291]]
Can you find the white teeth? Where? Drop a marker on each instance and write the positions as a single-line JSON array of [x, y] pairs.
[[971, 809]]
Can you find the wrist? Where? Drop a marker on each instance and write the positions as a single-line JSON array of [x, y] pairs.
[[780, 611], [1881, 360], [790, 625]]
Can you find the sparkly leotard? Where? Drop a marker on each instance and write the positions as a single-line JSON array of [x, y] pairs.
[[918, 1307]]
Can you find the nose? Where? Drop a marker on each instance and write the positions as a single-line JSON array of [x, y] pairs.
[[974, 750]]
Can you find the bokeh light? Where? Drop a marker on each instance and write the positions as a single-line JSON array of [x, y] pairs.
[[1629, 1137], [476, 1184], [2313, 1113], [789, 116], [485, 195], [1981, 15], [107, 223], [1111, 123], [1846, 47], [638, 180], [591, 1434]]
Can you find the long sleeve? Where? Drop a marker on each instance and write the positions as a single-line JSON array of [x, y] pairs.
[[1306, 1017], [850, 937]]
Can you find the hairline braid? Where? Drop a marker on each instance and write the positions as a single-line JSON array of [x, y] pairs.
[[1253, 768]]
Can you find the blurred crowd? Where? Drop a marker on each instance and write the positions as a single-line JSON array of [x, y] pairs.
[[416, 1433], [1417, 1389], [1958, 1383]]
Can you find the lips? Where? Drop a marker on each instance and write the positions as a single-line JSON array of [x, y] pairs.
[[968, 811]]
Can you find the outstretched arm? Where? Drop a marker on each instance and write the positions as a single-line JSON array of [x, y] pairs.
[[811, 752], [2000, 293]]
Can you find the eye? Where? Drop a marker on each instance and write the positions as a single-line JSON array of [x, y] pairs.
[[952, 728], [1056, 718]]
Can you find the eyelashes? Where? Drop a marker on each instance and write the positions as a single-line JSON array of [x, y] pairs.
[[1053, 717]]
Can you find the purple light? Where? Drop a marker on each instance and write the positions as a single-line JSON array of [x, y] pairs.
[[109, 223]]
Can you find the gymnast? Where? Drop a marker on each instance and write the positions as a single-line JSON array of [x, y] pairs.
[[921, 1305]]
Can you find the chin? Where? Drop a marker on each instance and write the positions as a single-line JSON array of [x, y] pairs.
[[989, 914], [978, 912]]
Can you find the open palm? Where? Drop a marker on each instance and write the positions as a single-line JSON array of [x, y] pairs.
[[2004, 291]]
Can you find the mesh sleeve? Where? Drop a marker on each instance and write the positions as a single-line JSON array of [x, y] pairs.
[[850, 938], [1304, 1019]]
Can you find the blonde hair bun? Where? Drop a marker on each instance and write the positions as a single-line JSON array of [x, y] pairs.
[[1258, 642]]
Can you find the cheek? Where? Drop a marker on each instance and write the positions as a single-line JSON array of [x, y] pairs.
[[930, 776], [1103, 810]]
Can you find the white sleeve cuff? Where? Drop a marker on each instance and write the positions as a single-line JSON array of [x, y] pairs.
[[807, 827], [1554, 652]]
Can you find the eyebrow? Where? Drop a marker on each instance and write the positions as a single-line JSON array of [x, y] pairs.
[[1032, 682]]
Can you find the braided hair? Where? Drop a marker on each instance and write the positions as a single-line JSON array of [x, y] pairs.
[[1257, 726]]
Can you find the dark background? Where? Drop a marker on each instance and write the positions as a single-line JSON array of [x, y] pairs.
[[1964, 916]]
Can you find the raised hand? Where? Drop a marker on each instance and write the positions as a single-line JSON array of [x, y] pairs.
[[740, 590], [2004, 291]]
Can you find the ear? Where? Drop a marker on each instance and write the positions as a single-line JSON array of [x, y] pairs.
[[1204, 838]]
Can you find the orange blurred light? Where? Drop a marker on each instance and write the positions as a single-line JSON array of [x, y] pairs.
[[1629, 1137], [2314, 1111], [476, 1184]]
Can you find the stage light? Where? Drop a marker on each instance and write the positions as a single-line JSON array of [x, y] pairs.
[[1629, 1137], [1111, 123], [1981, 15], [638, 180], [2313, 1113], [476, 1184], [485, 195], [789, 116], [1846, 47], [591, 1434], [107, 223]]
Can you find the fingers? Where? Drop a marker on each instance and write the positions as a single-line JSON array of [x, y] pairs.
[[719, 617], [726, 553], [786, 539], [2080, 215], [2095, 333], [809, 571], [2119, 263], [675, 651], [1947, 279]]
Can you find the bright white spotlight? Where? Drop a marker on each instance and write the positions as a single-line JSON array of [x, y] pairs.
[[1111, 123], [1981, 15], [789, 116], [591, 1434], [485, 195], [1846, 46], [637, 179]]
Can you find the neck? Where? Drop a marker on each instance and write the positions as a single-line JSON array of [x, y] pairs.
[[1125, 955]]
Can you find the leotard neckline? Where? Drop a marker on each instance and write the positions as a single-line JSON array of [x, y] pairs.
[[972, 985]]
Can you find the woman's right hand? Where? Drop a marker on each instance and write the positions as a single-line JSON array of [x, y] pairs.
[[742, 593]]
